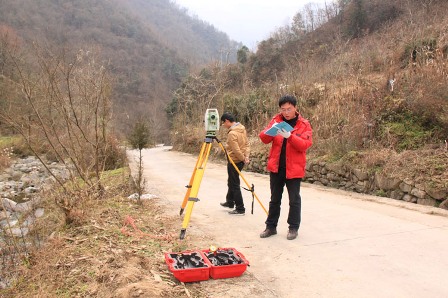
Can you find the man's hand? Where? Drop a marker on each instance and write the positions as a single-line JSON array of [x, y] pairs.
[[246, 160], [284, 133]]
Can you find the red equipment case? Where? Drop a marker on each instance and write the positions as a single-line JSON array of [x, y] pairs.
[[226, 271], [188, 274], [209, 269]]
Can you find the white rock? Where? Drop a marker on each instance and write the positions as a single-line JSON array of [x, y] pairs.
[[134, 196], [8, 204], [39, 212], [24, 207]]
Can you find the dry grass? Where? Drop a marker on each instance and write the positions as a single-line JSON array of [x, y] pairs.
[[6, 150], [428, 167], [189, 139], [5, 162], [104, 256]]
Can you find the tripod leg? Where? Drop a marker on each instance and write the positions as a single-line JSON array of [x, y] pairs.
[[244, 179], [187, 194], [198, 174]]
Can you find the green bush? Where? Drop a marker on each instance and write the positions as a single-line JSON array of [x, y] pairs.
[[415, 50], [253, 110], [405, 133]]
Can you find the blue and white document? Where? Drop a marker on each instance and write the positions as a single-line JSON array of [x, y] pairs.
[[276, 127]]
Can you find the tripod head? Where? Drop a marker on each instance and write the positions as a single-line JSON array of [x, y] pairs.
[[211, 122]]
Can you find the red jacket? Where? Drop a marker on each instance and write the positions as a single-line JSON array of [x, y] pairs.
[[300, 140]]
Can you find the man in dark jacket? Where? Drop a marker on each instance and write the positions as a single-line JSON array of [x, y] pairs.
[[237, 147], [286, 164]]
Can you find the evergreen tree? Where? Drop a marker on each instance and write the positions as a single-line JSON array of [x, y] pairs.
[[139, 139]]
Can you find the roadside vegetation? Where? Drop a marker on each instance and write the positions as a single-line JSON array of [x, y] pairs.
[[371, 76], [113, 247], [92, 240]]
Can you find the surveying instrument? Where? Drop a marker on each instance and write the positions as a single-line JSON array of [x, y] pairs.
[[212, 124]]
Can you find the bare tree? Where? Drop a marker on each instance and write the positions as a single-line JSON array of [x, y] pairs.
[[298, 26], [59, 103], [309, 12], [282, 35]]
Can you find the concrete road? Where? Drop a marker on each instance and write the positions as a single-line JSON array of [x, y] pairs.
[[349, 245]]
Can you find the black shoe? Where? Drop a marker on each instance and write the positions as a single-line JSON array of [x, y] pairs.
[[227, 204], [292, 234], [237, 212], [268, 233]]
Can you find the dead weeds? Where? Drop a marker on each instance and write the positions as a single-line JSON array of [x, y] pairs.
[[427, 166], [116, 251]]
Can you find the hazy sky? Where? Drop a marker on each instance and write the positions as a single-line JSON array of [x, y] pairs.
[[247, 21]]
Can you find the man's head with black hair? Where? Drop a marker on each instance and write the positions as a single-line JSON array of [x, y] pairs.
[[227, 116], [287, 104], [287, 99], [227, 120]]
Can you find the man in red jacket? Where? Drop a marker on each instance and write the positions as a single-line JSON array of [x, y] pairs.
[[286, 164]]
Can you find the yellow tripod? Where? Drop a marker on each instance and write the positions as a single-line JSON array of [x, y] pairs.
[[196, 178]]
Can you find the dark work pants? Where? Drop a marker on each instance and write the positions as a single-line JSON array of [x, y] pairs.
[[234, 196], [278, 181]]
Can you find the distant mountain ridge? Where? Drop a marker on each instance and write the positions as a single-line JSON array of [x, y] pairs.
[[150, 45], [196, 40]]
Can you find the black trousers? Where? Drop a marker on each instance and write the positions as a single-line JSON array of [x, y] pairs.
[[234, 196], [277, 182]]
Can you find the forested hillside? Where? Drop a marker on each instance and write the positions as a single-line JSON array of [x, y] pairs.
[[196, 41], [371, 76], [148, 46]]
